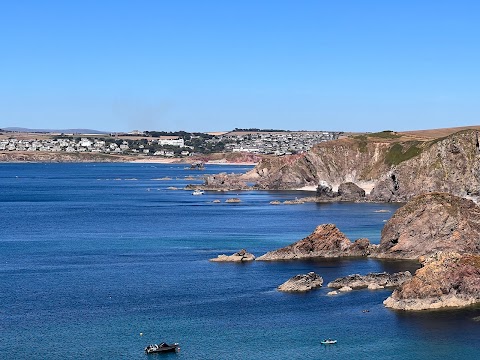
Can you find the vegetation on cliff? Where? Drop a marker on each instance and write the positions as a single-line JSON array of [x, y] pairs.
[[397, 166]]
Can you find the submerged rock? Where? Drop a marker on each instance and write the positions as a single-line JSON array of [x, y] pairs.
[[233, 200], [302, 283], [372, 281], [445, 280], [326, 241], [240, 256]]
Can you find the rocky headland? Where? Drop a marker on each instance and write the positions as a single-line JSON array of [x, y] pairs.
[[240, 256], [327, 241], [430, 223], [446, 280], [381, 167], [371, 281], [302, 283]]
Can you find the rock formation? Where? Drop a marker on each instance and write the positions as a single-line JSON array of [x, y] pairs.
[[430, 223], [445, 280], [326, 241], [224, 181], [325, 191], [351, 192], [240, 256], [302, 283], [372, 281], [397, 166]]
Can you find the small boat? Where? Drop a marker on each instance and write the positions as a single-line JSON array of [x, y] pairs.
[[162, 347], [328, 342], [198, 192]]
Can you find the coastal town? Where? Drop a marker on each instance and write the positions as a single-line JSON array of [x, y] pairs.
[[162, 144]]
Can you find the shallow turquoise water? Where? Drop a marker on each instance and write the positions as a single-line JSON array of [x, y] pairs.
[[92, 255]]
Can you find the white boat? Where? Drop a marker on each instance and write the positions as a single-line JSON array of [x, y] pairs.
[[328, 341], [198, 192]]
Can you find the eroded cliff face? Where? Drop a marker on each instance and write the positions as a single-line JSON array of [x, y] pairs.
[[336, 162], [396, 167], [430, 223], [448, 165]]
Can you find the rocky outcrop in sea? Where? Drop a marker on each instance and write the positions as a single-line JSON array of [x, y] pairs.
[[224, 182], [371, 281], [430, 223], [302, 283], [240, 256], [327, 241], [447, 279]]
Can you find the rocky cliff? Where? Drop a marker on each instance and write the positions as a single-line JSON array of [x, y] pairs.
[[445, 280], [430, 223], [398, 167], [327, 241]]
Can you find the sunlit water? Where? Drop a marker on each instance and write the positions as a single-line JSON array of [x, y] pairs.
[[93, 255]]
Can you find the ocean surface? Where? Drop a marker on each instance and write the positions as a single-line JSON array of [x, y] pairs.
[[99, 260]]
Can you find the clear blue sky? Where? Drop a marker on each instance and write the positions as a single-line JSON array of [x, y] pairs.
[[205, 65]]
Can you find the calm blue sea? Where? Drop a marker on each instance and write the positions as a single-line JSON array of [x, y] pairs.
[[94, 255]]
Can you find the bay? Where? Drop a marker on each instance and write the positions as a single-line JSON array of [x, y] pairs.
[[99, 260]]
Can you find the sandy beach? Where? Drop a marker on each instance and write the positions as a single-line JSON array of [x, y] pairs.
[[187, 161]]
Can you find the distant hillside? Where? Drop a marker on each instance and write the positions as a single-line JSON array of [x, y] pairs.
[[65, 131], [389, 166]]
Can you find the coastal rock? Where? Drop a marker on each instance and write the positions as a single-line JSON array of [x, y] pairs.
[[240, 256], [294, 202], [447, 279], [371, 281], [224, 181], [345, 289], [334, 292], [324, 191], [275, 202], [349, 191], [302, 283], [326, 241], [430, 223]]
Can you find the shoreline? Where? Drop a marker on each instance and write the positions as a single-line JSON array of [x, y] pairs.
[[183, 162]]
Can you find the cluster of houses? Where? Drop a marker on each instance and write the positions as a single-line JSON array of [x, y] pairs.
[[281, 143], [277, 143], [96, 145]]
